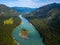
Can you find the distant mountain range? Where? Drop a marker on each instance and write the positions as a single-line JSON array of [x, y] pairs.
[[46, 19], [24, 10], [46, 10], [7, 11]]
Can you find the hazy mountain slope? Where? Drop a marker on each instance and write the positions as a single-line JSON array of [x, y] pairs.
[[7, 11], [44, 11], [23, 10], [46, 19]]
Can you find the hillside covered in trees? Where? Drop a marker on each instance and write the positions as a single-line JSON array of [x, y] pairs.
[[46, 19], [8, 22]]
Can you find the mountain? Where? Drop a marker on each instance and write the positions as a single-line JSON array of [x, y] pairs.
[[24, 10], [46, 19], [45, 10], [9, 20], [7, 11]]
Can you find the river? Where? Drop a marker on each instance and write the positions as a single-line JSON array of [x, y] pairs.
[[34, 37]]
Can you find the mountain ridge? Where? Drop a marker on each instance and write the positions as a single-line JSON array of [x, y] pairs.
[[23, 10], [7, 11], [44, 10]]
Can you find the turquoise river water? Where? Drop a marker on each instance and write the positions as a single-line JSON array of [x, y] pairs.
[[34, 37]]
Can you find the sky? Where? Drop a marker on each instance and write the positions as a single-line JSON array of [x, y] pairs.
[[28, 3]]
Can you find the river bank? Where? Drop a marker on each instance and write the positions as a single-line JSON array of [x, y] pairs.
[[48, 33], [36, 29], [7, 29], [34, 37]]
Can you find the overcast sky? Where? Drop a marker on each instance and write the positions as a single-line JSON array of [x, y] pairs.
[[28, 3]]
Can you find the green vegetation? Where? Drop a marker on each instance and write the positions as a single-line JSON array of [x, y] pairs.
[[47, 21], [6, 30], [49, 34], [9, 20]]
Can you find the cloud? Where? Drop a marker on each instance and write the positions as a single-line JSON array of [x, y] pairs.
[[26, 3], [29, 3]]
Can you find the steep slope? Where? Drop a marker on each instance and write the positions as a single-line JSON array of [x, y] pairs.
[[44, 11], [46, 19], [7, 11], [9, 20]]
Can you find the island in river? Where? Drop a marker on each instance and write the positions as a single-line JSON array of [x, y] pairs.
[[24, 34]]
